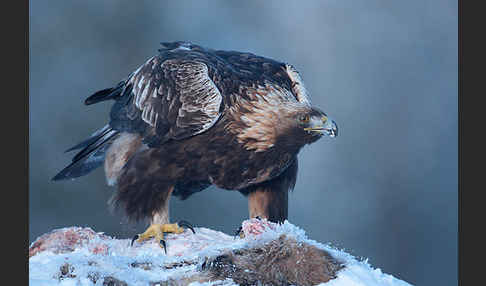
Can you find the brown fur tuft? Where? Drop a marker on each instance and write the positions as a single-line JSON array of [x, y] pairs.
[[280, 262]]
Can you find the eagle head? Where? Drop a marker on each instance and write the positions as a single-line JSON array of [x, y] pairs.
[[296, 125], [272, 123], [304, 125]]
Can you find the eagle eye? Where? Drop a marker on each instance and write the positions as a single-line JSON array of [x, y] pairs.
[[304, 118]]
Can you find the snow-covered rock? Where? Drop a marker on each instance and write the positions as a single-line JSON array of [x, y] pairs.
[[269, 254]]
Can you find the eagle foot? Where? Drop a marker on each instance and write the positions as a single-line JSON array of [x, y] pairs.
[[157, 231]]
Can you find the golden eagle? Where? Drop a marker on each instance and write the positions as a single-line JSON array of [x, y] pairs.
[[191, 117]]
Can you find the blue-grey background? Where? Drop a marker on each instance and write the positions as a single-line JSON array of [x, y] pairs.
[[386, 71]]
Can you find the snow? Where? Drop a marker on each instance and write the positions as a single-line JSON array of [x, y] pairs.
[[90, 257]]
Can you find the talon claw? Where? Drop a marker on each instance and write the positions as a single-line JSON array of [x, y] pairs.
[[133, 239], [184, 223], [237, 232], [164, 245]]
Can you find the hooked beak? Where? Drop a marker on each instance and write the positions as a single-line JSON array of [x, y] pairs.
[[330, 128], [324, 126]]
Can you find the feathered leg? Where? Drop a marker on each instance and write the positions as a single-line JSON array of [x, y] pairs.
[[161, 216], [270, 199], [270, 203], [144, 190]]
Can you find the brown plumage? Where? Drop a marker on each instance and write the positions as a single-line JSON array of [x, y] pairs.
[[192, 117]]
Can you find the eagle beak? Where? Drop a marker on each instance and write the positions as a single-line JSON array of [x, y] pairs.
[[330, 127], [323, 126]]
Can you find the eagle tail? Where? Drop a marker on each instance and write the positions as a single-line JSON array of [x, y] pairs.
[[91, 156], [93, 138], [106, 94]]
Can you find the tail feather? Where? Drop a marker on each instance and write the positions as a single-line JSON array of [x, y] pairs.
[[95, 144], [93, 138], [91, 156], [105, 94]]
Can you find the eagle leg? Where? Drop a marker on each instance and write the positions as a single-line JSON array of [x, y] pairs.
[[157, 231], [269, 199]]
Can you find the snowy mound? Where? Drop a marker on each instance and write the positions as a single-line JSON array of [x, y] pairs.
[[269, 254]]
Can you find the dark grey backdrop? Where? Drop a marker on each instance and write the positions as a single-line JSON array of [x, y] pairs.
[[385, 189]]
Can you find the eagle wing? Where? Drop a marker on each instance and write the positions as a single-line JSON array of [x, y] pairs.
[[175, 98]]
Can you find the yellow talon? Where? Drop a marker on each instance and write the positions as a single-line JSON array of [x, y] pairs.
[[172, 228], [157, 231], [154, 230]]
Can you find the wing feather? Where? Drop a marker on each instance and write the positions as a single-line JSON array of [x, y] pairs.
[[298, 86], [176, 93]]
